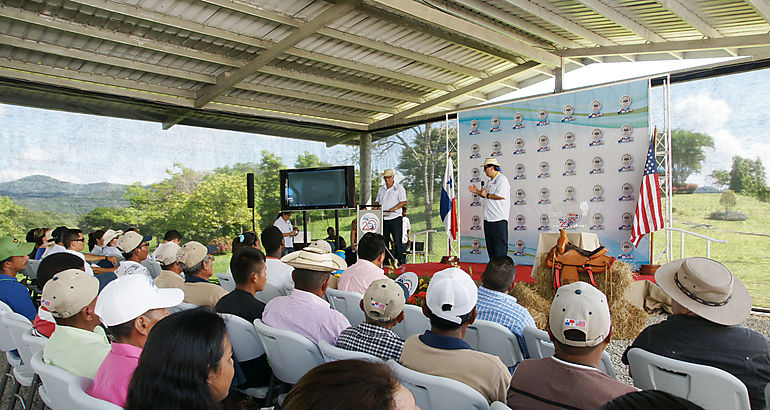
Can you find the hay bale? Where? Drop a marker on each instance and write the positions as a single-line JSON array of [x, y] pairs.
[[627, 320], [537, 306]]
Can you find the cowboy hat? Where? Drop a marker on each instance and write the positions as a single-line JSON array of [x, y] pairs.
[[317, 259], [707, 288], [491, 161]]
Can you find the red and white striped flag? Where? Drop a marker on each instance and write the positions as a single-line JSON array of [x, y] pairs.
[[649, 214]]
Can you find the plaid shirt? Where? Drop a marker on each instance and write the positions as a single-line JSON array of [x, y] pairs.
[[375, 340], [502, 308]]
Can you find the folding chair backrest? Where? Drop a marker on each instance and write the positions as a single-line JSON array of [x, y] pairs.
[[539, 346], [226, 281], [153, 267], [243, 336], [17, 325], [434, 392], [55, 382], [33, 343], [77, 394], [497, 405], [6, 341], [767, 396], [182, 306], [333, 353], [291, 355], [415, 322], [30, 271], [347, 303], [271, 291], [496, 339], [706, 386]]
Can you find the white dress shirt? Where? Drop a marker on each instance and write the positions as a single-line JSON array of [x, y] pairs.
[[390, 197], [498, 209]]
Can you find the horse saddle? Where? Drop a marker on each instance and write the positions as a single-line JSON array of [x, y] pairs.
[[568, 261]]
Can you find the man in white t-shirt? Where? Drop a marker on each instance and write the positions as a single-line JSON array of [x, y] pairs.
[[279, 280], [406, 229], [135, 248], [284, 224], [392, 197], [497, 206]]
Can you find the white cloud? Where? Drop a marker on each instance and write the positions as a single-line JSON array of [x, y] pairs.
[[701, 113]]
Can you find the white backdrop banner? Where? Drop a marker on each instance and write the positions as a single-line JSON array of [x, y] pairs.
[[574, 161]]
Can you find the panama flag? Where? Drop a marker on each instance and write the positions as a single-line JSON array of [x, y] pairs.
[[448, 205]]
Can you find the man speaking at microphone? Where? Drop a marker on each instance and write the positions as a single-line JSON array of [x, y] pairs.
[[392, 197], [497, 206]]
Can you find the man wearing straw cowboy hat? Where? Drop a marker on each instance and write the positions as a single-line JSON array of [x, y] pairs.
[[497, 206], [709, 303], [304, 311], [392, 198]]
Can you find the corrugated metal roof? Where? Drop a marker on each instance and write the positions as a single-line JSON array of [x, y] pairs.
[[337, 69]]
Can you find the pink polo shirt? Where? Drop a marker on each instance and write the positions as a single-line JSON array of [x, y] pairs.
[[359, 276], [112, 378], [307, 314]]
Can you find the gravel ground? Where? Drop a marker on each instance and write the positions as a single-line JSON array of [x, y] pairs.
[[760, 323]]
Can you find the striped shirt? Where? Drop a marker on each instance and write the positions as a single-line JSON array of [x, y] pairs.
[[375, 340], [502, 308], [306, 314]]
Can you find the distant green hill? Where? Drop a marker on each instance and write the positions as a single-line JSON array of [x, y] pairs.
[[42, 193]]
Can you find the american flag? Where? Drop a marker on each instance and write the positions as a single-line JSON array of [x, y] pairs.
[[649, 214]]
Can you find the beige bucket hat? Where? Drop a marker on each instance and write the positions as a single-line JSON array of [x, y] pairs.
[[313, 258]]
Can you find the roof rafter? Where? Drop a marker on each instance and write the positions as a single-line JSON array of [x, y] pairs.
[[622, 20], [672, 46], [762, 7]]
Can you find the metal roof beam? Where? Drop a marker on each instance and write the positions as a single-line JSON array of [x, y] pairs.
[[762, 7], [297, 113], [622, 20], [227, 80], [315, 98], [418, 12], [457, 93], [252, 10], [690, 18], [672, 46], [562, 22]]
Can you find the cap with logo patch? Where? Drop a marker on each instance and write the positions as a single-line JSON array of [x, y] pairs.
[[580, 315]]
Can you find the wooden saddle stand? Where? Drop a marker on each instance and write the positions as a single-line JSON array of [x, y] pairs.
[[567, 262]]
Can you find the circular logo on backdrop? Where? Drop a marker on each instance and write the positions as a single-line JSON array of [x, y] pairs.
[[518, 118], [369, 223], [596, 105]]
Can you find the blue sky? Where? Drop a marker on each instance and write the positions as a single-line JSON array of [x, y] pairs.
[[84, 148]]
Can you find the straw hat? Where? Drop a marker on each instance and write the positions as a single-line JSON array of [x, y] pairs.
[[706, 288], [317, 259], [491, 161]]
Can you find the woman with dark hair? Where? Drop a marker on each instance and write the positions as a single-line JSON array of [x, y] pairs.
[[186, 364], [246, 239], [95, 242], [330, 385]]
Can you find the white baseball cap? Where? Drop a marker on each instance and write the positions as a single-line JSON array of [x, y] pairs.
[[451, 293], [580, 306], [130, 296], [166, 253]]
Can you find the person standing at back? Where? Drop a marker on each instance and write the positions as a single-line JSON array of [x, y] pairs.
[[392, 197], [283, 222]]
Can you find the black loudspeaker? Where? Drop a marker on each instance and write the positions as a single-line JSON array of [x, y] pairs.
[[250, 190]]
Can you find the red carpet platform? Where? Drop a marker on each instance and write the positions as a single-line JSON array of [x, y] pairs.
[[523, 272]]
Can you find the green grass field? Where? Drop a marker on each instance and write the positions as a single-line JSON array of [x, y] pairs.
[[743, 254]]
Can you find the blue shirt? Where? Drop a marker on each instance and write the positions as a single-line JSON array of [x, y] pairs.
[[502, 308], [194, 279], [16, 296]]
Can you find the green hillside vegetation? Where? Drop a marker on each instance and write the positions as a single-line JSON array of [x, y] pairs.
[[46, 194], [745, 255]]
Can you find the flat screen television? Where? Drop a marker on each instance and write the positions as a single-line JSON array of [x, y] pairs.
[[318, 188]]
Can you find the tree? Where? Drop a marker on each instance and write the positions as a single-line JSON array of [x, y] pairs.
[[720, 178], [308, 160], [687, 153], [268, 186], [727, 200], [747, 177], [10, 213]]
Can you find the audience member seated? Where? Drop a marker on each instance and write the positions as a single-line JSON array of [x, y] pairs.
[[579, 327], [110, 239], [244, 240], [44, 323], [368, 268], [172, 236], [496, 305], [54, 243], [350, 252], [383, 305], [305, 311], [450, 304], [78, 345], [278, 273], [37, 236], [13, 259], [134, 248], [95, 242], [171, 272], [709, 304], [74, 241], [186, 364], [129, 306], [349, 384], [650, 399], [196, 263], [41, 250], [248, 268]]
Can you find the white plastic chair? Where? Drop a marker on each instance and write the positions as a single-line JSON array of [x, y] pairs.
[[153, 267], [17, 325], [271, 291], [33, 343], [53, 392], [415, 322], [182, 306], [497, 405], [7, 345], [333, 353], [347, 303], [246, 346], [226, 281], [706, 386], [495, 339], [434, 392], [767, 396], [30, 271], [77, 394], [291, 355], [539, 346]]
